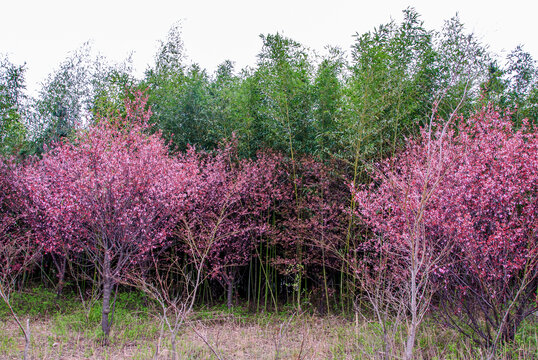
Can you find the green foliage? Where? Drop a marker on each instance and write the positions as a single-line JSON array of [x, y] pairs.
[[169, 57], [64, 99], [179, 97], [522, 84], [495, 85], [399, 75], [12, 128], [283, 92], [513, 86], [391, 87], [110, 85], [180, 103], [229, 107], [462, 63], [83, 87], [329, 102]]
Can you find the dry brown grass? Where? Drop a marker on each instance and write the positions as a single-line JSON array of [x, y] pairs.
[[305, 337], [233, 337]]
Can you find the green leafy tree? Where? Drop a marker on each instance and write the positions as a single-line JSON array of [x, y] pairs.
[[494, 88], [284, 91], [64, 98], [284, 119], [522, 84], [181, 105], [329, 102], [389, 92], [110, 84], [230, 115], [514, 86], [463, 65], [12, 97], [180, 96], [390, 88], [81, 87]]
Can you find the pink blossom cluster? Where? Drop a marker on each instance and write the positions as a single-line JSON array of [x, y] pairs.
[[472, 189], [17, 249], [113, 188]]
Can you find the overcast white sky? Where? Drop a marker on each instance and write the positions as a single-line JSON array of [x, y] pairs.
[[42, 33]]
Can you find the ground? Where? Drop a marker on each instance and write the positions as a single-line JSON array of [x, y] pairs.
[[69, 329]]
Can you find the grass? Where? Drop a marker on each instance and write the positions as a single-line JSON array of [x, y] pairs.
[[63, 329]]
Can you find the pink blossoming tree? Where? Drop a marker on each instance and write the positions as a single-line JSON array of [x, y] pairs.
[[457, 211], [489, 206], [112, 194], [403, 251], [18, 250]]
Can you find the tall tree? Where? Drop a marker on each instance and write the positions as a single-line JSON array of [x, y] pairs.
[[179, 96], [83, 85], [329, 102], [112, 194], [456, 211], [391, 86], [522, 85], [462, 62], [231, 115], [284, 114], [284, 91], [12, 97]]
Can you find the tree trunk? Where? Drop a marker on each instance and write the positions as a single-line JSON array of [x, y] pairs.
[[230, 289], [229, 293], [27, 340], [410, 340], [61, 265], [173, 343], [412, 331], [107, 290]]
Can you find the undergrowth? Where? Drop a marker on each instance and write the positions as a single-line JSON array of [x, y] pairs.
[[63, 328]]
